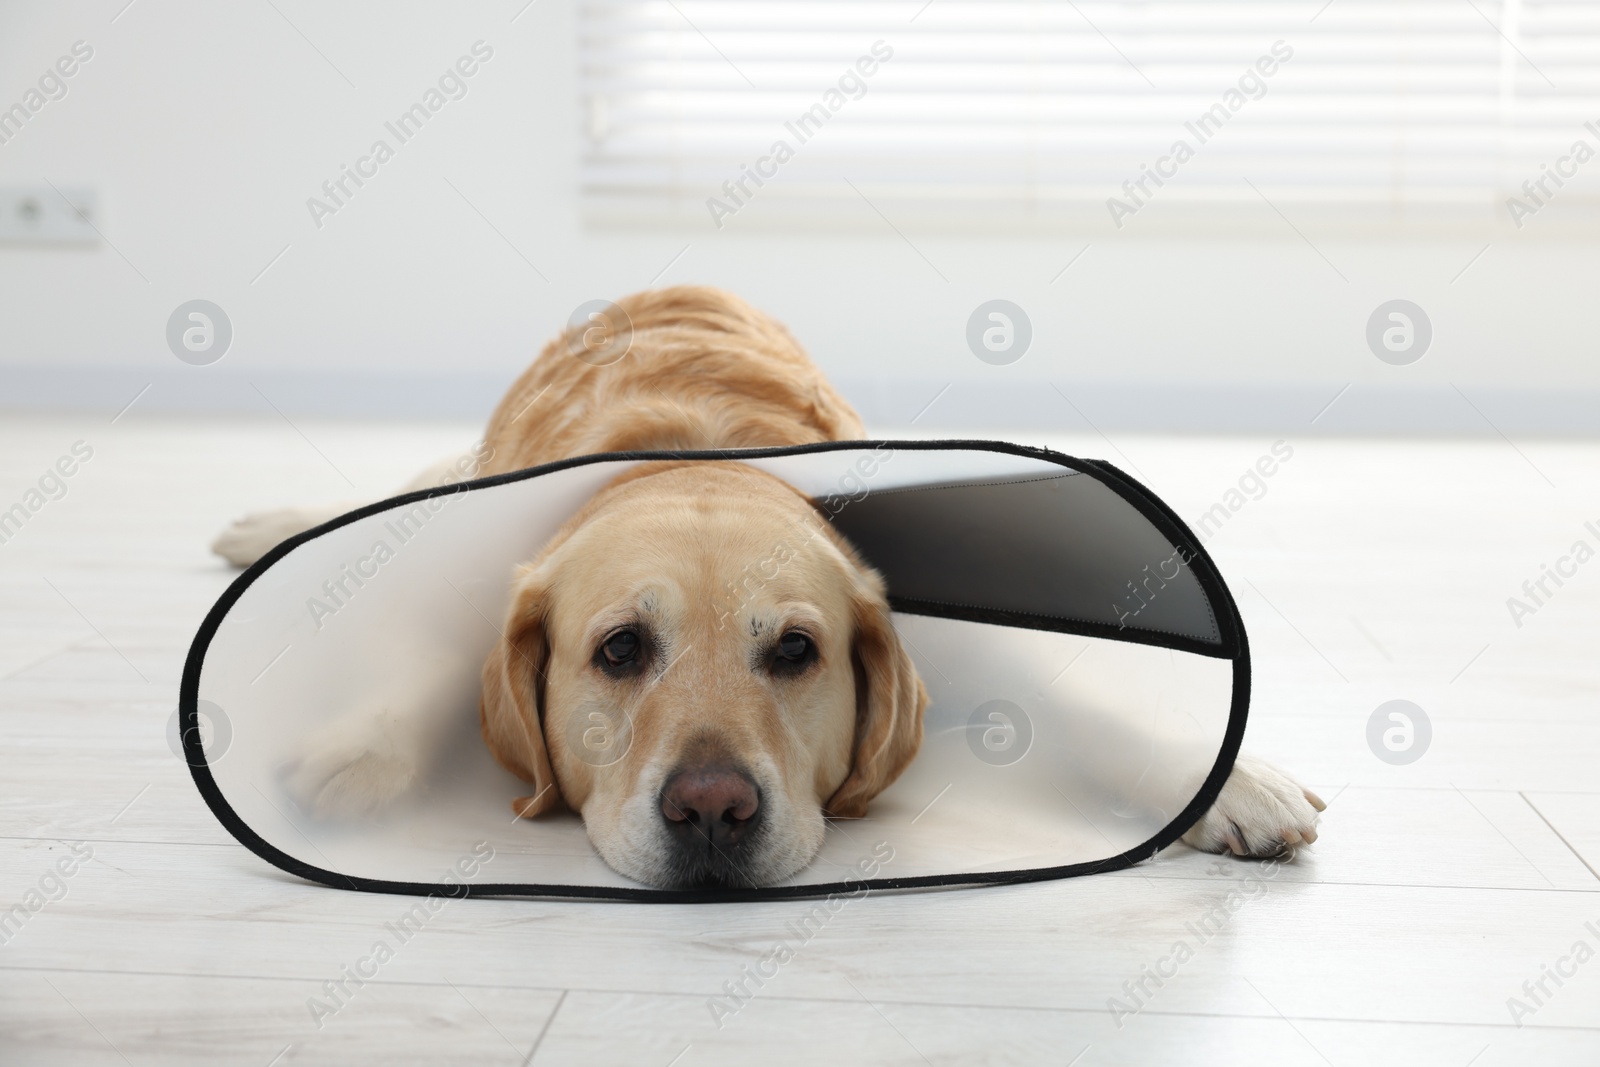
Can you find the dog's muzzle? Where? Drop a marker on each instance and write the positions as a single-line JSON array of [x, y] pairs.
[[713, 819]]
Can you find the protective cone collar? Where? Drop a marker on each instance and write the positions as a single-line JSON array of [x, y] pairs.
[[1087, 667]]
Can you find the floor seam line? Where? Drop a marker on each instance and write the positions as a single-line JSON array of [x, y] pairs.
[[1559, 836]]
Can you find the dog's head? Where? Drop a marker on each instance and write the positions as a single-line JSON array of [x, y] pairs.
[[700, 666]]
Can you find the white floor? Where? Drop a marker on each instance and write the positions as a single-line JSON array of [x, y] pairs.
[[1367, 571]]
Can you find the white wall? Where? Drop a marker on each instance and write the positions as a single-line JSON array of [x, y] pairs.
[[205, 128]]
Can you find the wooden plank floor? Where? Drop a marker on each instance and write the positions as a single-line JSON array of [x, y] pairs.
[[1366, 570]]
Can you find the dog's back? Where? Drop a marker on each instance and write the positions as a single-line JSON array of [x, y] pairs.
[[703, 369]]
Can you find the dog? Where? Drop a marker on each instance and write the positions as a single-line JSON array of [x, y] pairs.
[[745, 730]]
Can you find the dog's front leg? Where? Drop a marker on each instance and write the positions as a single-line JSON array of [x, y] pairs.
[[1261, 811], [361, 761]]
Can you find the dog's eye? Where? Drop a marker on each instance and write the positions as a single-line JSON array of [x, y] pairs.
[[620, 648], [793, 646], [795, 650]]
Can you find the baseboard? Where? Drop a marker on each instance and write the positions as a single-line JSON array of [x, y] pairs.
[[926, 405]]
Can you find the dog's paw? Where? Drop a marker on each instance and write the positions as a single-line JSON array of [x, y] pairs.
[[1260, 812], [253, 536], [354, 767]]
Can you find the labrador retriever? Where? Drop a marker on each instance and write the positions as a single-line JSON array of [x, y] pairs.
[[704, 726]]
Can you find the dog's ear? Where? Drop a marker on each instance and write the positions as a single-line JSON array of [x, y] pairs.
[[510, 710], [889, 703]]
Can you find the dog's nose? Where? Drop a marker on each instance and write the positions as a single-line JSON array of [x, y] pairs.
[[710, 807]]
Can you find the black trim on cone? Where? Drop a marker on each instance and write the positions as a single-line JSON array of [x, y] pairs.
[[1234, 645]]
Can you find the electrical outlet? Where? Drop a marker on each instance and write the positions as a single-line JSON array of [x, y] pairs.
[[40, 215]]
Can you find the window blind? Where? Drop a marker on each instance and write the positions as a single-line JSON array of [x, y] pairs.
[[1138, 115]]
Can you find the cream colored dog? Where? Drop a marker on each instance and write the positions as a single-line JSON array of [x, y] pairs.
[[730, 734]]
